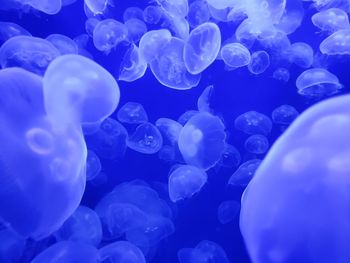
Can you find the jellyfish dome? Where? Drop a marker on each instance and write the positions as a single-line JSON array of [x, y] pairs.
[[235, 55], [332, 19], [337, 43]]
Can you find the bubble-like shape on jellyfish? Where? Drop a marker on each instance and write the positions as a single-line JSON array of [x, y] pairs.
[[202, 140], [98, 7], [301, 54], [306, 178], [152, 41], [202, 47], [244, 173], [257, 144], [48, 185], [31, 53], [337, 43], [227, 211], [93, 165], [178, 8], [132, 113], [12, 246], [253, 122], [185, 181], [284, 114], [64, 44], [121, 252], [78, 88], [145, 139], [316, 83], [235, 55], [9, 30], [331, 20], [198, 13], [152, 14], [259, 62], [136, 29], [133, 65], [281, 74], [83, 226]]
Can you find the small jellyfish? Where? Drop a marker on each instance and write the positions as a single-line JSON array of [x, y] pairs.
[[316, 83], [146, 139], [31, 53], [231, 157], [301, 54], [198, 13], [202, 47], [152, 14], [108, 34], [185, 181], [136, 29], [178, 8], [202, 140], [331, 20], [93, 165], [132, 113], [235, 55], [203, 102], [227, 211], [259, 62], [292, 17], [168, 154], [132, 12], [244, 173], [12, 246], [9, 30], [169, 129], [284, 114], [98, 7], [90, 25], [152, 41], [337, 43], [183, 119], [64, 44], [121, 252], [252, 122], [133, 65], [281, 74], [257, 144]]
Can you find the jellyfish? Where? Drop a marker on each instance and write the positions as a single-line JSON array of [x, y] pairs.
[[257, 144], [252, 122], [244, 173], [68, 252], [177, 8], [146, 139], [259, 62], [109, 141], [178, 26], [185, 181], [108, 34], [83, 226], [203, 102], [301, 54], [133, 65], [93, 165], [292, 17], [152, 14], [9, 30], [98, 7], [202, 47], [202, 140], [50, 7], [31, 53], [64, 44], [331, 20], [284, 114], [227, 211], [198, 13], [298, 199], [281, 74], [74, 78], [12, 246], [337, 43], [183, 119], [221, 4], [169, 154], [136, 29], [169, 129], [132, 113], [235, 55], [231, 157], [121, 252], [90, 25], [132, 12], [317, 83], [48, 186]]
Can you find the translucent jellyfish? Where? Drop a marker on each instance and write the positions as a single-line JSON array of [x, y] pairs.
[[259, 62], [183, 119], [136, 29], [219, 15], [64, 44], [132, 113], [169, 129], [169, 66], [203, 102], [205, 251], [301, 54], [202, 140], [227, 211], [83, 226], [133, 65], [146, 139], [252, 122], [152, 42], [108, 34], [93, 165], [9, 30], [221, 4], [31, 53], [284, 114], [121, 252], [109, 141], [306, 178], [177, 8], [178, 26], [281, 74], [68, 252], [257, 144], [331, 20], [98, 7], [244, 173], [12, 246], [132, 12], [292, 17], [90, 25], [337, 43], [231, 157], [185, 181], [235, 55], [198, 13], [202, 47], [169, 154], [74, 78], [152, 14], [46, 6], [317, 83], [48, 187]]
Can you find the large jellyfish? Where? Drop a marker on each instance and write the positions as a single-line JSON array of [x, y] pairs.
[[169, 129], [259, 62], [152, 41], [235, 55], [337, 43], [133, 65], [331, 20], [121, 252], [198, 13], [227, 211], [202, 140], [64, 44], [132, 113], [253, 122], [244, 173], [296, 208], [202, 47], [9, 30]]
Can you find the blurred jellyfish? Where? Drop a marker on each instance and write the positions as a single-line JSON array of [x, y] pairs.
[[235, 55], [178, 26], [202, 47], [132, 12], [132, 113], [231, 157], [146, 139], [244, 173], [93, 165], [109, 141], [202, 140], [298, 199], [108, 34], [331, 20], [221, 4], [220, 15], [83, 226], [227, 211], [90, 25], [252, 122], [185, 181], [98, 7], [133, 65], [31, 53], [12, 246], [64, 44], [50, 7], [284, 114], [203, 102], [301, 54], [152, 14], [317, 83], [9, 30], [292, 17], [281, 74], [257, 144], [121, 252], [259, 62], [169, 129], [177, 8], [169, 154], [152, 42], [198, 13], [136, 29], [183, 119], [337, 43]]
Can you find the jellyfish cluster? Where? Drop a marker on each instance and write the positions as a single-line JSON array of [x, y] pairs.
[[174, 131]]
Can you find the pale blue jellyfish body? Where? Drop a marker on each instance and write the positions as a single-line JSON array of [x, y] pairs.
[[64, 44], [184, 117], [12, 246], [132, 12], [133, 65], [337, 43], [235, 55], [177, 8], [93, 165], [98, 7], [198, 13], [136, 29], [281, 74], [257, 144], [31, 53], [169, 129], [202, 140], [227, 211], [50, 7], [8, 30], [90, 25], [202, 47], [231, 157], [221, 4], [253, 122], [284, 114], [152, 14], [203, 102], [298, 199], [152, 41], [259, 62], [185, 181], [292, 17], [132, 113], [301, 54], [244, 173], [178, 25], [121, 252], [331, 20]]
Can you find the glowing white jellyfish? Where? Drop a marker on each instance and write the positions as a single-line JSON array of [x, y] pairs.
[[152, 42], [64, 44], [98, 7], [177, 8], [8, 30], [301, 54], [235, 55], [169, 129], [252, 122], [257, 144], [331, 20], [132, 113], [259, 62], [228, 211], [133, 65], [244, 173], [337, 43], [136, 29]]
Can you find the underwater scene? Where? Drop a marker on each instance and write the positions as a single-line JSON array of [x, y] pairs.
[[174, 131]]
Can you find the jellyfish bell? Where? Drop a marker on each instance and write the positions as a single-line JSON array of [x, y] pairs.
[[336, 44], [227, 211], [132, 113], [64, 44], [98, 7], [253, 122], [257, 144], [331, 20], [122, 252], [9, 30], [198, 13], [133, 65], [136, 29], [152, 41], [245, 172], [259, 62], [235, 55]]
